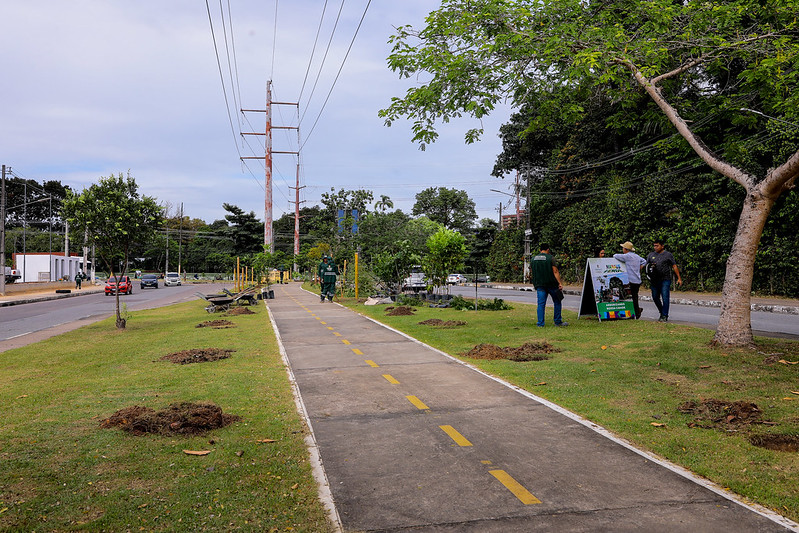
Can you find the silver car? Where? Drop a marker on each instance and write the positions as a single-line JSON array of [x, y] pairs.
[[171, 278]]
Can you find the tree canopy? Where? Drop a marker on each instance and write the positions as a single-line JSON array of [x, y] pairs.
[[451, 208], [117, 219]]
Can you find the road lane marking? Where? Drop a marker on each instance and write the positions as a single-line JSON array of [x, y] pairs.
[[328, 327], [417, 402], [345, 341], [459, 439], [356, 351], [512, 485], [337, 334], [324, 323], [391, 379], [372, 363]]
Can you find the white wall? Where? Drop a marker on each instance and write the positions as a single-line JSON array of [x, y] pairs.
[[44, 267]]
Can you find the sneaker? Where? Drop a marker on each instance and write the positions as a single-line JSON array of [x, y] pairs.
[[562, 324], [663, 318]]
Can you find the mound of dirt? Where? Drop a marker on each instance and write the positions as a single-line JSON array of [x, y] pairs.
[[239, 311], [183, 418], [529, 351], [216, 324], [399, 311], [712, 413], [437, 322], [200, 355], [779, 443]]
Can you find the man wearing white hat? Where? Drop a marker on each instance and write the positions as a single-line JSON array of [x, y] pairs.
[[634, 263]]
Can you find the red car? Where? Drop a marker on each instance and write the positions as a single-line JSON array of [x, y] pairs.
[[125, 286]]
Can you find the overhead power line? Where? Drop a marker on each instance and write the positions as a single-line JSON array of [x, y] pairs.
[[363, 16]]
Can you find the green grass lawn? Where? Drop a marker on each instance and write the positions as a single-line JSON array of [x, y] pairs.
[[629, 375], [60, 471]]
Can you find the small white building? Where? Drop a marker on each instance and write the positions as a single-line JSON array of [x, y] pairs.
[[48, 267]]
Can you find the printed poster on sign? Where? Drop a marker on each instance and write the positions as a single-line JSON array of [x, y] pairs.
[[606, 290]]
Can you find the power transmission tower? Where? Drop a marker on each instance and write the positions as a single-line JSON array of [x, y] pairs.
[[269, 240]]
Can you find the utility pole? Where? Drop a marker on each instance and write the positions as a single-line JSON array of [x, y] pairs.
[[3, 232], [269, 240], [180, 238], [297, 208], [527, 232]]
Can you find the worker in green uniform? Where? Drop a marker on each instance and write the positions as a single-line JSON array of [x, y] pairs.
[[327, 277]]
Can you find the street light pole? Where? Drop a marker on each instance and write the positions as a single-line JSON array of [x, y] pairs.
[[3, 232]]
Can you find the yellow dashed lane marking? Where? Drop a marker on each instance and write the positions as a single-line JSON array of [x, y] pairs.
[[328, 327], [512, 485], [345, 341], [323, 322], [391, 379], [356, 351], [417, 402], [337, 334], [459, 439], [372, 363]]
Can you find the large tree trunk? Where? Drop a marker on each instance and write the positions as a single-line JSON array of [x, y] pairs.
[[735, 327]]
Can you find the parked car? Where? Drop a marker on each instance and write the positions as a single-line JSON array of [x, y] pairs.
[[11, 275], [172, 278], [125, 286], [416, 281], [149, 280], [456, 279]]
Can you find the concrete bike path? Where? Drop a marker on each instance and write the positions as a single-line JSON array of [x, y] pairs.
[[411, 439]]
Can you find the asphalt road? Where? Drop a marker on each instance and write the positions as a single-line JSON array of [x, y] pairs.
[[22, 324], [763, 323]]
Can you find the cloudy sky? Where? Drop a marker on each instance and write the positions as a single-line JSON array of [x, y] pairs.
[[91, 87]]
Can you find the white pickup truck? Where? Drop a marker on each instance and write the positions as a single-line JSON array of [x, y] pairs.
[[416, 281], [12, 275]]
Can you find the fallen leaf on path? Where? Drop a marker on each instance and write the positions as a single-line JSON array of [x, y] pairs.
[[783, 361], [22, 396], [657, 424], [795, 392], [195, 452], [705, 366], [604, 347], [265, 441], [789, 398], [542, 383]]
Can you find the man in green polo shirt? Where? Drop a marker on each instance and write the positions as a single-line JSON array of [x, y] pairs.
[[546, 279]]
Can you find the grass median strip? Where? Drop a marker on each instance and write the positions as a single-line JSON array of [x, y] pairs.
[[60, 470], [660, 386]]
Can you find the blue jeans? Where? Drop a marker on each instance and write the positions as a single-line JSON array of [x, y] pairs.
[[543, 292], [661, 291]]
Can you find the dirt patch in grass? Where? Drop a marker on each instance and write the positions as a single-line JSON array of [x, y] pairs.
[[529, 351], [216, 324], [437, 322], [718, 414], [780, 443], [199, 355], [239, 311], [401, 310], [183, 418]]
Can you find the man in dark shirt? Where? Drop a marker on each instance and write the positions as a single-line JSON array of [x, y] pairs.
[[546, 279], [659, 266]]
